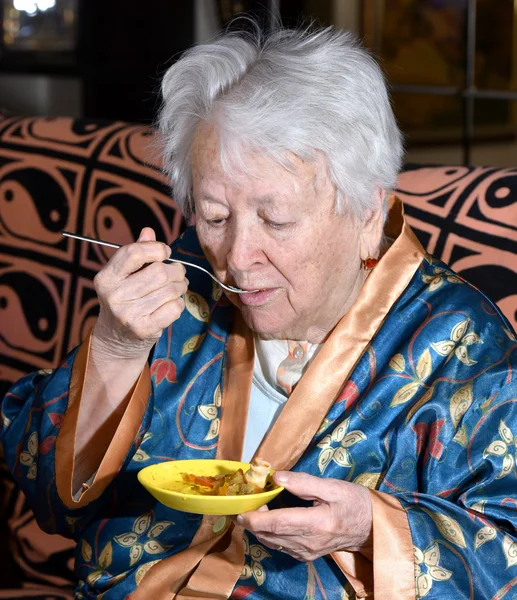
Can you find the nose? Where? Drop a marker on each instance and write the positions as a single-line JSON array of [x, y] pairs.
[[246, 252]]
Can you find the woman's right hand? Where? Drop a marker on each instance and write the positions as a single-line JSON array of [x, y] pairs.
[[139, 297]]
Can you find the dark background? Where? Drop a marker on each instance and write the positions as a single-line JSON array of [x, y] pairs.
[[124, 46], [454, 106]]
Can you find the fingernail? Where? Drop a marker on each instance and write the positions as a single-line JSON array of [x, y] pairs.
[[240, 519], [281, 477]]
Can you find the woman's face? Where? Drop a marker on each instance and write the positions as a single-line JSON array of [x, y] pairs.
[[277, 231]]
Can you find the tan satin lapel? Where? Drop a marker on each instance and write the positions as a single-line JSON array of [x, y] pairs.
[[119, 445], [319, 387], [227, 561], [358, 571], [190, 574], [393, 558], [238, 376], [65, 441], [168, 576]]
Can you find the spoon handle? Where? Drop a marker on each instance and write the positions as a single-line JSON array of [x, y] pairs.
[[230, 288]]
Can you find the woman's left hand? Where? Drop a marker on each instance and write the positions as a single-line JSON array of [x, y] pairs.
[[340, 518]]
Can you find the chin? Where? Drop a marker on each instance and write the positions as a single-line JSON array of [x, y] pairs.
[[263, 324]]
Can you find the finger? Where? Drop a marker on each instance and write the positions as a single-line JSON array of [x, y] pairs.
[[147, 235], [281, 521], [235, 518], [150, 279], [151, 326], [275, 543], [140, 309], [166, 314], [298, 548], [131, 258], [309, 487]]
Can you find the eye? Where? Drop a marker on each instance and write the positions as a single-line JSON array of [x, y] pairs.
[[275, 225], [216, 222]]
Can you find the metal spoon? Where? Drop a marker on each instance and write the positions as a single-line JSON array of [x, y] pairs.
[[230, 288]]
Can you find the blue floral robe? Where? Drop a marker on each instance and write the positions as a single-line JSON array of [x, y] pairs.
[[425, 413]]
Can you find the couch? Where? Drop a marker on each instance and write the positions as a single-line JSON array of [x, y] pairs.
[[98, 178]]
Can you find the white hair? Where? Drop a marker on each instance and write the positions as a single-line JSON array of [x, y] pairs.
[[293, 91]]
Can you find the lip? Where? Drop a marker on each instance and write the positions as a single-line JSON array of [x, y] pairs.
[[257, 298]]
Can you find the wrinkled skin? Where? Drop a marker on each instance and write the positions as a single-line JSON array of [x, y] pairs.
[[340, 518], [277, 229]]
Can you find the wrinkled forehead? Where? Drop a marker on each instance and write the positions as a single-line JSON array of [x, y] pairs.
[[215, 155]]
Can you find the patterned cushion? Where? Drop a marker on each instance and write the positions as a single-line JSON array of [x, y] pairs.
[[467, 217], [88, 177]]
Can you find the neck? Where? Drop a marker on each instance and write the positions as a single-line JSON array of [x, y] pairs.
[[327, 318], [318, 334]]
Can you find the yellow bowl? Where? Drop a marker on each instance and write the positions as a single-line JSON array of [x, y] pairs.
[[161, 479]]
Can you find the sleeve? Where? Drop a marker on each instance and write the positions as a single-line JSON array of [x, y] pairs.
[[464, 529], [463, 526], [39, 418], [456, 537], [386, 569]]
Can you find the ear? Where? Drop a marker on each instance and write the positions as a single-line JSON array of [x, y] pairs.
[[373, 226]]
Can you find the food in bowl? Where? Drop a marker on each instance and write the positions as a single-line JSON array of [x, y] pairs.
[[255, 481]]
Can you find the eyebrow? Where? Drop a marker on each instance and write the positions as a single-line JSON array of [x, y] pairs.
[[265, 199], [209, 198]]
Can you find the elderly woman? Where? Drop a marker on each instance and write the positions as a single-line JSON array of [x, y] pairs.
[[379, 384]]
